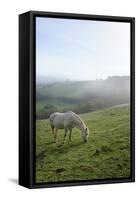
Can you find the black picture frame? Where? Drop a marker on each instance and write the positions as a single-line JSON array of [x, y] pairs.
[[27, 85]]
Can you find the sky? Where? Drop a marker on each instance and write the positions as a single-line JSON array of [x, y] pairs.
[[82, 49]]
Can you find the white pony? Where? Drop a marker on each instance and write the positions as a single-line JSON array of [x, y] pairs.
[[67, 121]]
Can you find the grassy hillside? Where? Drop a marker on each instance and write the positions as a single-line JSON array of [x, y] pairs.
[[106, 155]]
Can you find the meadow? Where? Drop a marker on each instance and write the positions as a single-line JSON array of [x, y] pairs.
[[106, 155]]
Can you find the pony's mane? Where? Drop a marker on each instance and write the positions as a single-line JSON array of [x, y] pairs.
[[77, 116]]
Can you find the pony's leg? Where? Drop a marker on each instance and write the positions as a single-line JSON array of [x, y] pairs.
[[70, 131], [52, 127], [55, 135], [66, 130]]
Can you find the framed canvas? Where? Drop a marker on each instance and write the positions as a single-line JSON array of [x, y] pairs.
[[76, 99]]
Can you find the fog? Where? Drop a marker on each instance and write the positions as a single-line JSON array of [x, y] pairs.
[[81, 96], [81, 65]]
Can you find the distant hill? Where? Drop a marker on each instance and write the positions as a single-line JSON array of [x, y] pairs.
[[82, 96], [46, 80]]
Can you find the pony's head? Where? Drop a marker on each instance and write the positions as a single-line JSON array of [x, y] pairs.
[[85, 134]]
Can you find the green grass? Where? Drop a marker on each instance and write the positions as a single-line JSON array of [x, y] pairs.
[[105, 155], [66, 89], [60, 105]]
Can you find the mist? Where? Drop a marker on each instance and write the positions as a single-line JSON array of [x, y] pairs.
[[81, 96], [81, 65]]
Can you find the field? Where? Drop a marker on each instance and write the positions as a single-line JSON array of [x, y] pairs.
[[105, 155]]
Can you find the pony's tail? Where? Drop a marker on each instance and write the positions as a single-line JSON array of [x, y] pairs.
[[51, 118]]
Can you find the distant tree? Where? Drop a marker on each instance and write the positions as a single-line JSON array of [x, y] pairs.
[[46, 111]]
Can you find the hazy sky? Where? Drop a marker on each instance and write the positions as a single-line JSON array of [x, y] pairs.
[[82, 49]]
